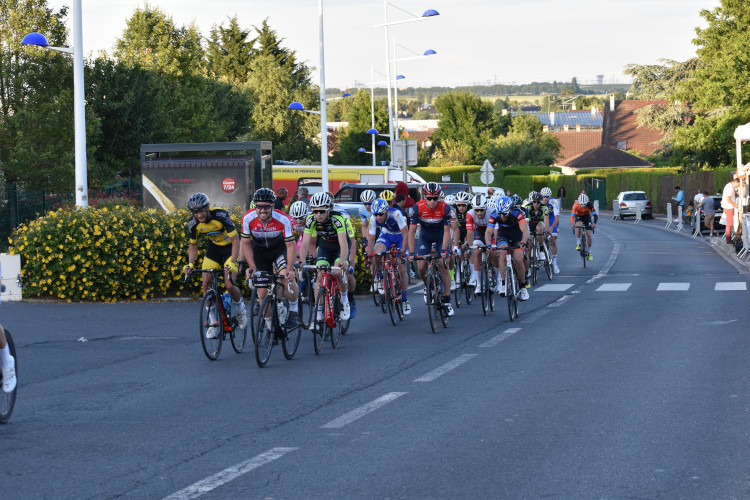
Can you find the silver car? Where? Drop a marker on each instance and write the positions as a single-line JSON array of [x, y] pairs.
[[629, 200]]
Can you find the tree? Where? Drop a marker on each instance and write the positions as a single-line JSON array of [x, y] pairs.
[[525, 144], [229, 52], [464, 118], [355, 136], [270, 45]]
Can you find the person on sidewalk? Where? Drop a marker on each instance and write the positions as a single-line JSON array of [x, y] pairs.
[[707, 204], [679, 199], [729, 203]]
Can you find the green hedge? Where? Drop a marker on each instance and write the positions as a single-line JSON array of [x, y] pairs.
[[436, 173]]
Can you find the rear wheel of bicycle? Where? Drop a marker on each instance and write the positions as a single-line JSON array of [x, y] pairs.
[[459, 284], [389, 298], [319, 325], [534, 264], [304, 306], [264, 334], [290, 343], [484, 278], [239, 335], [432, 309], [337, 329], [399, 297], [510, 290], [210, 309], [8, 399], [376, 297], [468, 289]]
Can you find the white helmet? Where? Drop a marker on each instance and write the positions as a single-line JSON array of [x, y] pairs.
[[464, 197], [450, 199], [298, 209], [321, 199], [367, 196], [546, 191], [481, 200], [583, 199]]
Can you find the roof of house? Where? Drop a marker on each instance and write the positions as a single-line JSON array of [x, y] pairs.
[[576, 143], [419, 135], [621, 128], [585, 119], [606, 157]]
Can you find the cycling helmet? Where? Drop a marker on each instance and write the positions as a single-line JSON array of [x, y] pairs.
[[251, 205], [480, 200], [197, 202], [387, 195], [379, 206], [504, 205], [321, 200], [546, 192], [464, 197], [515, 200], [431, 189], [531, 195], [367, 196], [450, 200], [583, 199], [537, 196], [298, 209], [264, 194]]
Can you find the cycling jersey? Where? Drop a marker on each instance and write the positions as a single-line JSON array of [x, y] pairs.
[[477, 224], [364, 215], [393, 223], [536, 216], [219, 228], [583, 213], [432, 221], [461, 219], [515, 216], [273, 233], [329, 229]]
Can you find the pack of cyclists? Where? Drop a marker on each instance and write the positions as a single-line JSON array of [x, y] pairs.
[[271, 241]]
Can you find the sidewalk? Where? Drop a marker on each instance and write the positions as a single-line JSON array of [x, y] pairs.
[[717, 243]]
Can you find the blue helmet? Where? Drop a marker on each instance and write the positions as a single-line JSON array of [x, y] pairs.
[[504, 205], [516, 200], [379, 206]]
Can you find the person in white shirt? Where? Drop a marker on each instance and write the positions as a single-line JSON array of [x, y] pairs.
[[729, 203]]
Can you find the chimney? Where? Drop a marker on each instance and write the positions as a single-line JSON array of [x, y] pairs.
[[565, 128], [593, 110], [578, 127], [612, 102], [552, 118], [573, 107]]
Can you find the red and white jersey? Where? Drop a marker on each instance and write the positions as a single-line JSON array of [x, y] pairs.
[[274, 232], [474, 222]]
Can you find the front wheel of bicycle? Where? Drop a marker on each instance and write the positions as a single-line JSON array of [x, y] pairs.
[[252, 312], [264, 333], [210, 317], [484, 282], [239, 335], [319, 325], [390, 300], [290, 343], [510, 290], [468, 289], [548, 263], [338, 326], [8, 399], [493, 283], [432, 302], [304, 306], [534, 264]]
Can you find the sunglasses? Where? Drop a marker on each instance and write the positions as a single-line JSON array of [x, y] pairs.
[[319, 211], [480, 209], [536, 202], [430, 198], [461, 205], [263, 207], [380, 215]]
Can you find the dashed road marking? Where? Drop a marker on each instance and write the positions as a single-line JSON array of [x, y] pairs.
[[554, 287], [614, 287], [730, 285], [499, 338], [363, 410], [429, 377], [673, 287]]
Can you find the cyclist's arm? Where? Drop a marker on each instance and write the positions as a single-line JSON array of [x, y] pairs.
[[546, 221], [412, 237], [343, 245], [524, 225], [247, 251], [192, 253], [235, 248], [489, 233], [404, 242]]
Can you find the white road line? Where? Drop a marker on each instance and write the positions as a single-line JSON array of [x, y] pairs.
[[730, 285], [221, 478], [445, 368], [673, 287], [556, 287], [614, 287], [362, 411], [499, 338]]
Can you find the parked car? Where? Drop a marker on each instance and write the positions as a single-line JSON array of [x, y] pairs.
[[629, 200]]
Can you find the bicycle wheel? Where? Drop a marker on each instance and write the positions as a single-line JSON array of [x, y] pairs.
[[517, 288], [510, 290], [335, 332], [290, 343], [547, 262], [389, 298], [252, 312], [468, 289], [239, 335], [211, 317], [264, 334], [319, 325], [534, 263], [376, 297], [584, 254], [8, 399], [304, 306], [486, 290], [432, 309], [398, 296], [441, 308], [493, 283]]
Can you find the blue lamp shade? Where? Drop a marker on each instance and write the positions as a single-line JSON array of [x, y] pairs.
[[297, 106], [372, 131], [382, 143], [35, 39], [400, 77], [429, 52], [430, 13], [346, 94], [362, 150]]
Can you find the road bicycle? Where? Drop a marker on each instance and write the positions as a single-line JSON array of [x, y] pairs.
[[8, 399], [306, 279], [512, 286], [462, 276], [434, 286], [540, 257], [271, 321], [486, 279], [392, 285], [584, 242], [330, 326], [214, 314], [547, 255]]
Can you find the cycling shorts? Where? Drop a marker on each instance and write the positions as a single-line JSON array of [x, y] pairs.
[[217, 257], [270, 260], [389, 239], [533, 225], [426, 240], [585, 219], [511, 237], [329, 252]]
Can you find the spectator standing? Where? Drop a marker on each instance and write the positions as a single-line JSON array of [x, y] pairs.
[[278, 203], [409, 203], [729, 204], [303, 196], [561, 195], [679, 199], [490, 192], [698, 197], [707, 204]]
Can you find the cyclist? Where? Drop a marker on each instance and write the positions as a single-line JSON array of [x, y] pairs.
[[538, 219], [388, 196], [329, 227], [553, 208], [463, 204], [476, 227], [351, 280], [365, 216], [8, 364], [434, 219], [583, 214], [511, 231], [222, 251], [267, 241], [393, 233]]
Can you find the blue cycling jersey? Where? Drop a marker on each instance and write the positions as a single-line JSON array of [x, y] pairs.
[[392, 224]]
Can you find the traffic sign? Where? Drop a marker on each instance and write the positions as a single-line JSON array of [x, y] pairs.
[[486, 167], [487, 177]]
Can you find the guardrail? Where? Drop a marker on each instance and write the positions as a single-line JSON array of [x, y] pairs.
[[669, 216], [615, 210]]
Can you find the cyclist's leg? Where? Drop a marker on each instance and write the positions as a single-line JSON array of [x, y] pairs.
[[502, 249], [518, 262]]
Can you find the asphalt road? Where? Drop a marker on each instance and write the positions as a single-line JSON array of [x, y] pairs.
[[626, 379]]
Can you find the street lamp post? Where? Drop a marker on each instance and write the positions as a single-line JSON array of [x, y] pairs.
[[323, 117], [79, 110]]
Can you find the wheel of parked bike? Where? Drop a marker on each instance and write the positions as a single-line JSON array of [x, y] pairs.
[[8, 399]]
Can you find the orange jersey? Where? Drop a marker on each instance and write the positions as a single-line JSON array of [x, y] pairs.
[[581, 210]]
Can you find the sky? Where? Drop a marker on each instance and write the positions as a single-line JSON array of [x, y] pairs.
[[477, 41]]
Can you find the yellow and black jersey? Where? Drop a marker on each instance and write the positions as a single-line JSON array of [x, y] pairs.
[[219, 228]]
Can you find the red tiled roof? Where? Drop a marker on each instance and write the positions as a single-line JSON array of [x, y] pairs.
[[576, 143], [606, 157], [419, 135], [622, 127]]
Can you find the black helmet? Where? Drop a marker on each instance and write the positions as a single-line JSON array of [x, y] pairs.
[[197, 202], [264, 194]]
